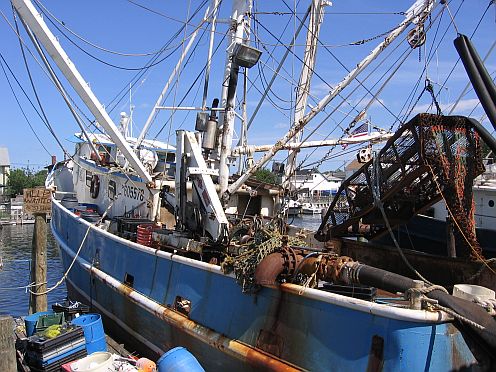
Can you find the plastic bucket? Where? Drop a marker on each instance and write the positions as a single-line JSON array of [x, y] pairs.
[[178, 359], [30, 321], [93, 332], [96, 362]]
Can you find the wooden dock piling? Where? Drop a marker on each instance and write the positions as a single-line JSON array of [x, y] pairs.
[[39, 265], [38, 202], [7, 345]]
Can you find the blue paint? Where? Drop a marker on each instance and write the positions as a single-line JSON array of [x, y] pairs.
[[93, 332], [178, 359], [314, 334], [30, 321]]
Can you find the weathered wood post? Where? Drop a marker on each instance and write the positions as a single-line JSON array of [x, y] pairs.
[[39, 264], [7, 344], [37, 201]]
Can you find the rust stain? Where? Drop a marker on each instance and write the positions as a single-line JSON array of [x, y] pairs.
[[234, 348]]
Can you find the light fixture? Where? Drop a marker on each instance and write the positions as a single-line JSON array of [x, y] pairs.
[[245, 56]]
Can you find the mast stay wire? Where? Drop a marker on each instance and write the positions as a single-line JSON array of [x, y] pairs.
[[43, 116], [86, 41], [134, 80], [20, 107], [47, 124], [359, 81], [178, 75], [405, 54], [155, 63], [42, 67], [193, 83], [472, 35], [443, 85]]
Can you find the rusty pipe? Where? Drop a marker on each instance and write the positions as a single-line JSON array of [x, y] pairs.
[[269, 269]]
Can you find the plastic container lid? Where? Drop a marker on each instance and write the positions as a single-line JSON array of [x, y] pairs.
[[96, 362]]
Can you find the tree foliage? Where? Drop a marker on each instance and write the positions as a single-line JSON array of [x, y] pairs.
[[23, 178], [265, 175]]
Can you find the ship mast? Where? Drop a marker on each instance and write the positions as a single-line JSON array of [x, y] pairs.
[[419, 10], [303, 89], [34, 20], [239, 21]]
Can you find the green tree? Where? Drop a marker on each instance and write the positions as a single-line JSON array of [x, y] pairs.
[[20, 179], [265, 175]]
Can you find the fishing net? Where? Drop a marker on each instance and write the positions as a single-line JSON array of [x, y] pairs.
[[458, 158], [429, 158]]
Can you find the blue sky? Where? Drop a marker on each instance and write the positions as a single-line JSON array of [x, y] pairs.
[[122, 26]]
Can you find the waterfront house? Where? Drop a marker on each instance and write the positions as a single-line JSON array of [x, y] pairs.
[[311, 183], [4, 177]]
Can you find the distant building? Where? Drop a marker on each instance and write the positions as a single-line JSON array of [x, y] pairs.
[[4, 169], [315, 184], [4, 178], [16, 205]]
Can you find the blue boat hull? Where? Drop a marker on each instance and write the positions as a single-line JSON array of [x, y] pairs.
[[278, 328]]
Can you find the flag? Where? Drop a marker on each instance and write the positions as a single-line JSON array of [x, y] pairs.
[[359, 131]]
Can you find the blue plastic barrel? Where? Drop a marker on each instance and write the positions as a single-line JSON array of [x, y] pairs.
[[30, 321], [93, 332], [178, 359]]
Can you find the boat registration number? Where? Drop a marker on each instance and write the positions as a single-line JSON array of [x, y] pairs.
[[133, 192]]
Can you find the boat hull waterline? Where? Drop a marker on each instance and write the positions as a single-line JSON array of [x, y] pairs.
[[137, 288]]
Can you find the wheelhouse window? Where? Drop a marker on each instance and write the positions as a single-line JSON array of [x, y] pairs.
[[89, 176], [112, 190]]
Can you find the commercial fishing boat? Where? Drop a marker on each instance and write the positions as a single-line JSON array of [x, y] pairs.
[[222, 274]]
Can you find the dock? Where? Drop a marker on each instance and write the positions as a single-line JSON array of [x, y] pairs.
[[20, 338]]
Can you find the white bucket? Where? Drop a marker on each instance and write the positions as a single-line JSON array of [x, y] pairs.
[[470, 292], [96, 362]]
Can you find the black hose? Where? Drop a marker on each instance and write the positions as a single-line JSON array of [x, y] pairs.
[[486, 78], [477, 74], [482, 342], [484, 133]]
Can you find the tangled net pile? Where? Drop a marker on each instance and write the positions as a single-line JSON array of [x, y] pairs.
[[458, 155], [266, 240]]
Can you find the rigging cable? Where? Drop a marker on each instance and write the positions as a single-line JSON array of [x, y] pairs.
[[62, 23], [137, 77], [193, 83], [108, 63], [347, 70], [20, 107]]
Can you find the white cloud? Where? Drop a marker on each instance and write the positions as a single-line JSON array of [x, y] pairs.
[[465, 106], [281, 125]]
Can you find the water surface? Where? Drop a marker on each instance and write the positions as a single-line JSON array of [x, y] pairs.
[[15, 251]]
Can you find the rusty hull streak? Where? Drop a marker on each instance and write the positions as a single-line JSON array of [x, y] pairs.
[[235, 348]]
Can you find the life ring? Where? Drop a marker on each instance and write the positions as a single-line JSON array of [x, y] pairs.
[[95, 186]]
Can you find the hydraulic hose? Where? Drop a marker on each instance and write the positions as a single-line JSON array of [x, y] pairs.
[[482, 342]]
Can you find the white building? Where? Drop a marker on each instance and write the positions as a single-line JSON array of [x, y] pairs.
[[315, 184], [4, 169]]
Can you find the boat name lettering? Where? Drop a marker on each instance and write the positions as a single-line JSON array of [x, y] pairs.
[[133, 192]]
